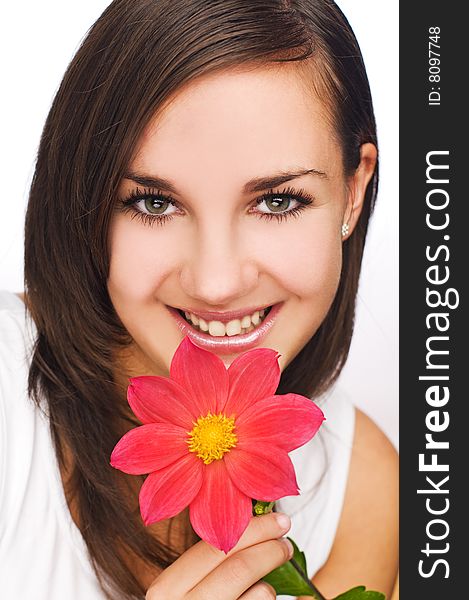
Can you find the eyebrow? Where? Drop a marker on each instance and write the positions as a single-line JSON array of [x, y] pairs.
[[258, 184]]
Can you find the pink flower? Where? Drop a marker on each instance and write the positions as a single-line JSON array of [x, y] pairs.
[[213, 439]]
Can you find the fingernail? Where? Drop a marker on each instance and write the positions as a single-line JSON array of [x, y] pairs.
[[289, 545], [283, 520]]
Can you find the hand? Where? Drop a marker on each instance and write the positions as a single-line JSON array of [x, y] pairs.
[[204, 572]]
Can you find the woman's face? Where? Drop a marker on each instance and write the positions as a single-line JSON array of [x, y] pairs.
[[228, 242]]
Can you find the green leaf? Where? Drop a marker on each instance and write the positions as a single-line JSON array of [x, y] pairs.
[[286, 579], [360, 593], [299, 557]]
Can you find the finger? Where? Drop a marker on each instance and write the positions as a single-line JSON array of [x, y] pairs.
[[242, 570], [261, 591], [199, 560]]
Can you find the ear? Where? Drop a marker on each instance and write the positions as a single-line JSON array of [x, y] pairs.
[[357, 185]]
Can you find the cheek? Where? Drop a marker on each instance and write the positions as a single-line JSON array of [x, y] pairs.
[[320, 267], [308, 264], [138, 264]]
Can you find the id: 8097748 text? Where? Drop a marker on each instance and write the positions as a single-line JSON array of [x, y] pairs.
[[434, 68]]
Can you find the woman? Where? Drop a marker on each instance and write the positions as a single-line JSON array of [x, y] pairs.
[[205, 168]]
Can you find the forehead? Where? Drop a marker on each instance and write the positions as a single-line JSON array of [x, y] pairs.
[[233, 125]]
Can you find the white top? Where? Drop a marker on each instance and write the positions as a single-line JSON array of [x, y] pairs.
[[42, 553]]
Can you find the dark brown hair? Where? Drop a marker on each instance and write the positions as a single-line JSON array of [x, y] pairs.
[[133, 59]]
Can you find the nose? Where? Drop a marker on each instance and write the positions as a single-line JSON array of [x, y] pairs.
[[218, 269]]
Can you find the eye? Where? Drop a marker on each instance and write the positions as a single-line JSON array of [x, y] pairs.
[[150, 206], [155, 205], [282, 205], [276, 204]]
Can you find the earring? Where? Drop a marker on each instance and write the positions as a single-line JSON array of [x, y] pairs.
[[345, 229]]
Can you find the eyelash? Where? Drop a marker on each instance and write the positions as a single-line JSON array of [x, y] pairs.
[[128, 204]]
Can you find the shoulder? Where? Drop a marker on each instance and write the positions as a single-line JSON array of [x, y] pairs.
[[17, 336], [373, 478], [12, 312], [9, 300], [16, 413], [369, 521], [15, 322], [372, 448]]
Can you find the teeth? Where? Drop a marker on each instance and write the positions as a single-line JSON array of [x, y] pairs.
[[216, 328], [246, 321], [235, 327]]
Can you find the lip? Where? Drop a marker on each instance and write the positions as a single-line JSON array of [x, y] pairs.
[[227, 344]]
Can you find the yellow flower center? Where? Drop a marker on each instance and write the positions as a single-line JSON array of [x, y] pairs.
[[212, 436]]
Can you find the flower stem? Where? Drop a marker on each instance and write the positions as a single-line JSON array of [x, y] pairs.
[[316, 593]]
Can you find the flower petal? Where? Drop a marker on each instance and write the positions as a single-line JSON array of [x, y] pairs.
[[202, 375], [167, 492], [287, 421], [262, 472], [158, 399], [253, 375], [220, 512], [149, 448]]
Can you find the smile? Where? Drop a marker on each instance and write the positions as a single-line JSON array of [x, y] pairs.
[[226, 333], [233, 327]]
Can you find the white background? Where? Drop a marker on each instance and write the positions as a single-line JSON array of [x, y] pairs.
[[37, 43]]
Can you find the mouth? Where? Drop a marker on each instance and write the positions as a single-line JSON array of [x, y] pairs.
[[220, 328], [226, 333]]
